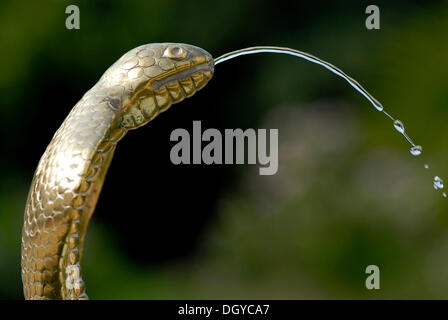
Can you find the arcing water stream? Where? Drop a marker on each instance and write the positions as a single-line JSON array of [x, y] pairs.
[[415, 150]]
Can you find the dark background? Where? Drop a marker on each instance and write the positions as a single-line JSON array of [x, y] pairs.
[[347, 194]]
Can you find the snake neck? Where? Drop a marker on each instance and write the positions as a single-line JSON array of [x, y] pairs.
[[62, 198]]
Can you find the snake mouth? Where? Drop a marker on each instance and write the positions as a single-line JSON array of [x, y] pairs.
[[200, 73]]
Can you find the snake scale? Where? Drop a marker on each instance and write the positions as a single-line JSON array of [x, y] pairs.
[[67, 182]]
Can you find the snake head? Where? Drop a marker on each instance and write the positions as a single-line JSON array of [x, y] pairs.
[[188, 66], [150, 78]]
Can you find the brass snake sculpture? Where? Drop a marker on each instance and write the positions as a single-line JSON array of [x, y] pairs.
[[65, 188], [134, 90]]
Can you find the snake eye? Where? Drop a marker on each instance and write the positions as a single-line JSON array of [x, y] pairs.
[[175, 52]]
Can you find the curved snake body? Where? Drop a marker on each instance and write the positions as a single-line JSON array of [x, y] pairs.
[[142, 83]]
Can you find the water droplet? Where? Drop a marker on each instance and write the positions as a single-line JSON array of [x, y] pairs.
[[416, 150], [379, 106], [426, 166], [438, 183], [399, 126], [444, 195]]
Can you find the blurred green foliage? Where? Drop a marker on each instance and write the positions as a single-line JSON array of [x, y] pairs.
[[348, 194]]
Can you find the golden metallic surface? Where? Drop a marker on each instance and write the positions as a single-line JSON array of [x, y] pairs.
[[63, 194]]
